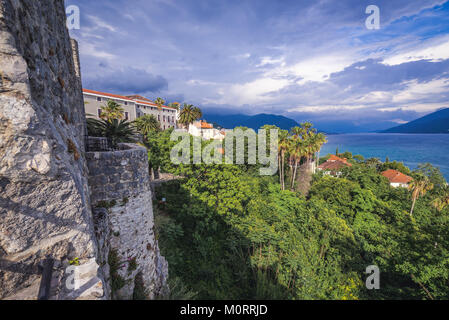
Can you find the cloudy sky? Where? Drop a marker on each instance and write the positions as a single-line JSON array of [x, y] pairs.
[[305, 59]]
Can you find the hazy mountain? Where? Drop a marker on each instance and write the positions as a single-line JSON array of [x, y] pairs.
[[437, 122], [348, 126], [254, 122]]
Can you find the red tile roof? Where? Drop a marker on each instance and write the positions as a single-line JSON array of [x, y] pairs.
[[106, 94], [135, 98], [335, 165], [204, 125], [396, 177], [335, 158]]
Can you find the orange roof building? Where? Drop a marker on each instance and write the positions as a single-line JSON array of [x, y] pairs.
[[134, 107], [334, 158], [396, 178], [203, 125], [334, 165]]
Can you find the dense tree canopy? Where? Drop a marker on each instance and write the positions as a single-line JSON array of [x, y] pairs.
[[229, 233]]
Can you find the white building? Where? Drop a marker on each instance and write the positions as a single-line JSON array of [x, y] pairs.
[[133, 106], [397, 179], [206, 131]]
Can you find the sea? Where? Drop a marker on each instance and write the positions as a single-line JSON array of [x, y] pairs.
[[411, 149]]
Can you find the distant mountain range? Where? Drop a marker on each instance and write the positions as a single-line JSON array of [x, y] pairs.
[[437, 122], [253, 122]]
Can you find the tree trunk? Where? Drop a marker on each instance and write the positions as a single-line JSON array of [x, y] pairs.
[[413, 206], [156, 174], [294, 176], [305, 177], [283, 170], [279, 170]]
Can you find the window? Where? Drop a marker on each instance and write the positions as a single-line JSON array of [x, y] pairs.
[[98, 99], [164, 119], [158, 117], [99, 113], [126, 116], [173, 119], [126, 103]]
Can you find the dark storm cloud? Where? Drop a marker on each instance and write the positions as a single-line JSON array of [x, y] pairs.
[[127, 81], [205, 49]]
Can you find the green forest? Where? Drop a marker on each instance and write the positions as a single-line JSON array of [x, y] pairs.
[[229, 233]]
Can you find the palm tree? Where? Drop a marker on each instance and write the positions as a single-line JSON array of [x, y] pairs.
[[112, 110], [189, 114], [147, 124], [116, 131], [443, 200], [309, 143], [419, 187], [283, 144], [296, 150], [198, 113], [373, 163], [159, 102], [316, 141], [174, 105]]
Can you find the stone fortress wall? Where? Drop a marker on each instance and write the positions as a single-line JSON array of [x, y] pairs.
[[123, 211], [45, 197]]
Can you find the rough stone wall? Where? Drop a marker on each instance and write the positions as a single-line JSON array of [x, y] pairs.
[[121, 196], [44, 196]]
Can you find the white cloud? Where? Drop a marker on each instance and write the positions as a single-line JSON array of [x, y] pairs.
[[418, 107], [129, 17], [250, 92], [420, 91], [197, 82], [325, 108], [316, 69], [100, 24], [434, 52], [270, 61], [92, 50], [242, 56], [399, 121]]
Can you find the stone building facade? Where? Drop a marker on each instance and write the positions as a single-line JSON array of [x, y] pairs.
[[133, 106]]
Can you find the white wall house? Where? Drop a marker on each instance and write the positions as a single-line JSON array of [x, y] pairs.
[[134, 107], [206, 131], [334, 166], [397, 179]]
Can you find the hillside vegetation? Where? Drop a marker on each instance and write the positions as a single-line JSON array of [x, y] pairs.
[[229, 233]]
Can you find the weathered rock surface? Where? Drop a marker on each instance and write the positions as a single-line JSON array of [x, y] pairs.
[[48, 183], [120, 182], [44, 195]]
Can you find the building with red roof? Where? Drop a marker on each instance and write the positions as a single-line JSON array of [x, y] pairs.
[[134, 106], [397, 179], [206, 131], [334, 165]]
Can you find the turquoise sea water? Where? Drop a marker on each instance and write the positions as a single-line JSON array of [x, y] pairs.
[[412, 149]]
